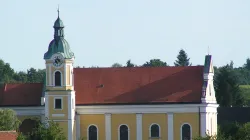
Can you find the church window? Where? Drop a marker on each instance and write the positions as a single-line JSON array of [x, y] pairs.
[[154, 131], [186, 132], [92, 133], [58, 103], [57, 78], [123, 132]]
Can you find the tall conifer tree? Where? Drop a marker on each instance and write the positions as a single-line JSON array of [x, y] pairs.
[[182, 59]]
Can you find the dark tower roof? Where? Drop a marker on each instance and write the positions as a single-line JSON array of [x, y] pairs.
[[58, 23], [59, 44]]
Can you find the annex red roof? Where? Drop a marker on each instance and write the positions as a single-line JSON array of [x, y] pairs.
[[28, 94], [138, 85], [8, 135]]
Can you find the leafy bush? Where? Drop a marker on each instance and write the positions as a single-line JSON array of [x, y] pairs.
[[47, 131], [230, 131], [8, 120]]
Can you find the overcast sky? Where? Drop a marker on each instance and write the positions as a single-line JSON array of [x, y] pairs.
[[102, 32]]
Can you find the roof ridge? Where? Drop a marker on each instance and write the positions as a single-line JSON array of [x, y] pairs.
[[140, 67], [8, 131]]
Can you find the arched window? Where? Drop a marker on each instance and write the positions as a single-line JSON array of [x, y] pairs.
[[123, 132], [92, 133], [154, 131], [57, 78], [186, 132], [27, 126]]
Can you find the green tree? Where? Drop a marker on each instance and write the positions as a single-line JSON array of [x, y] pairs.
[[116, 65], [6, 72], [20, 77], [129, 64], [243, 132], [21, 137], [47, 131], [243, 75], [35, 76], [215, 137], [182, 59], [247, 64], [229, 130], [155, 63], [231, 65], [227, 88], [8, 120], [79, 67]]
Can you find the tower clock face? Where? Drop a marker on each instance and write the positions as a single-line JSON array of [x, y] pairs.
[[57, 60]]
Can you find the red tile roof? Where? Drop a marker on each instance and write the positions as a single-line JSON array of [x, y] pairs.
[[8, 135], [138, 85], [28, 94]]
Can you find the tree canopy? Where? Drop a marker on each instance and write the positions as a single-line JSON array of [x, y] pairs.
[[182, 59], [227, 88], [130, 64], [116, 65], [8, 120], [155, 63], [48, 130]]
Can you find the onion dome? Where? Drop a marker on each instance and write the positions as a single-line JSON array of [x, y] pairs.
[[59, 44]]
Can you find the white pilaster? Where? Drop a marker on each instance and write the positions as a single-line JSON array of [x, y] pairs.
[[71, 115], [203, 124], [170, 126], [50, 75], [108, 126], [78, 131], [46, 75], [138, 126], [64, 75], [46, 106], [215, 123]]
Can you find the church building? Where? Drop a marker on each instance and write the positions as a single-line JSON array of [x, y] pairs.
[[126, 103]]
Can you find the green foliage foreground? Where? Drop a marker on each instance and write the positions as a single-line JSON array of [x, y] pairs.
[[8, 120], [41, 131], [230, 131], [45, 131]]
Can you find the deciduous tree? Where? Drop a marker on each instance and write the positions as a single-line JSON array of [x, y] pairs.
[[155, 63], [8, 120], [227, 88], [47, 131], [247, 64], [116, 65]]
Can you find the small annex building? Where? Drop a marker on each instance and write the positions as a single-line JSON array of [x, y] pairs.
[[137, 103]]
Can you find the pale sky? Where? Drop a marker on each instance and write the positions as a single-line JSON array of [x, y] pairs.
[[102, 32]]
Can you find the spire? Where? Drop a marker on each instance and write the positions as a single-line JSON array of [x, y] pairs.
[[58, 11], [59, 43], [208, 50], [58, 26]]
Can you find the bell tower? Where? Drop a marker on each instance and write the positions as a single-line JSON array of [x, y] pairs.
[[60, 94]]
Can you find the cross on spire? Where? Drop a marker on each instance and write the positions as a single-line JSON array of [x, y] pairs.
[[58, 10], [208, 50]]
